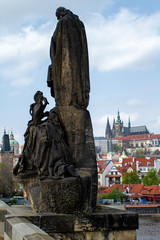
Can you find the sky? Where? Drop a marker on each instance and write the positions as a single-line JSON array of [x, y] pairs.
[[124, 55]]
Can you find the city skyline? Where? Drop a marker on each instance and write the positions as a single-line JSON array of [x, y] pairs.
[[124, 54]]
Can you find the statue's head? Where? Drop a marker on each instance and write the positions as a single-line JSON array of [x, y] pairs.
[[38, 95], [61, 12]]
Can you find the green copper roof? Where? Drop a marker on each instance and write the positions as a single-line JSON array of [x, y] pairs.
[[118, 118], [13, 142]]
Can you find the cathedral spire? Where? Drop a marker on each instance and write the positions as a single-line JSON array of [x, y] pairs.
[[129, 123], [108, 133], [118, 118]]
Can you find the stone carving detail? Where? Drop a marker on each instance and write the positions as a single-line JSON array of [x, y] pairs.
[[45, 149], [68, 75]]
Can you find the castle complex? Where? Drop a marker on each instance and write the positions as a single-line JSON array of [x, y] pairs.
[[119, 130]]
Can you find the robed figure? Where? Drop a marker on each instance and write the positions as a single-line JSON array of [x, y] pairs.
[[68, 75]]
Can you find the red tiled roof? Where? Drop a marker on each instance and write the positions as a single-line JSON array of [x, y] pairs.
[[113, 175], [155, 136], [119, 169], [105, 189], [143, 162], [101, 165], [151, 190], [137, 137], [142, 206], [135, 189]]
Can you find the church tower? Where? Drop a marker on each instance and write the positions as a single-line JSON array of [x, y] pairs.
[[118, 124], [108, 136], [5, 142], [108, 132], [129, 123]]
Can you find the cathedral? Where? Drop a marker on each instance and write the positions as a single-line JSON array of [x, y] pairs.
[[118, 130]]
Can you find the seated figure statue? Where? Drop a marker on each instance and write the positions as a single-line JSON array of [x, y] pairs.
[[45, 150]]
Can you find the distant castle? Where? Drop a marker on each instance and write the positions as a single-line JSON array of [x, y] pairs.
[[118, 130]]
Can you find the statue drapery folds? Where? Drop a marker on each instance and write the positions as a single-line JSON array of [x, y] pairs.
[[68, 74]]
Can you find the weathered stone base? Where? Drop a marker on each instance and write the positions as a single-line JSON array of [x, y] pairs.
[[67, 195], [22, 223]]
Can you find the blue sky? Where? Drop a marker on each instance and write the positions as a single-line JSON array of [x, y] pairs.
[[124, 54]]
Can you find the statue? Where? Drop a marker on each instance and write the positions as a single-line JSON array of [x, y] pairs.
[[68, 75], [45, 149], [58, 159]]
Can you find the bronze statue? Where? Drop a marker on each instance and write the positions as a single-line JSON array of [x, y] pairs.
[[68, 75]]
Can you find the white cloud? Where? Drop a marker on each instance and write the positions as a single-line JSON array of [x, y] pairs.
[[14, 13], [124, 41], [22, 82], [136, 102], [21, 54]]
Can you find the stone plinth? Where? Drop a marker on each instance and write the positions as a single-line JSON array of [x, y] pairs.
[[67, 195], [78, 131]]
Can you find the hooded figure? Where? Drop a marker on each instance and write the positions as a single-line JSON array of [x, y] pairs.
[[68, 74]]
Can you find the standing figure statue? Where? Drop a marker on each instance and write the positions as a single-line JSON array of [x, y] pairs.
[[68, 75]]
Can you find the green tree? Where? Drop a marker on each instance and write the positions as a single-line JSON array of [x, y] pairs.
[[140, 153], [115, 194], [131, 178], [7, 181], [116, 148], [151, 178]]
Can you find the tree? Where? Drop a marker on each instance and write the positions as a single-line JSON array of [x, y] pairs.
[[7, 182], [140, 153], [116, 148], [115, 194], [131, 178], [151, 178]]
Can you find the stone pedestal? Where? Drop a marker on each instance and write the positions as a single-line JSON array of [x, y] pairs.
[[67, 195], [78, 131]]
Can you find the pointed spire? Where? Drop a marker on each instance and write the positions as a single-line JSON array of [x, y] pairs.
[[118, 118], [108, 133], [11, 137], [129, 123], [4, 131]]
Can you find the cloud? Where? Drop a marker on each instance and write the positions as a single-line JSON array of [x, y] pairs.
[[14, 13], [21, 54], [136, 102], [125, 40], [22, 82]]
